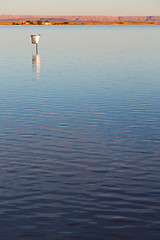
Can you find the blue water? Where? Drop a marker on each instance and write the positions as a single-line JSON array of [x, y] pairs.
[[80, 133]]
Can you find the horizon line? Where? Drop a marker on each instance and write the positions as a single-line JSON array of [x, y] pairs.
[[2, 14]]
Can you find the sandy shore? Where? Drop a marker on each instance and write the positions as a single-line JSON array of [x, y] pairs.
[[82, 23]]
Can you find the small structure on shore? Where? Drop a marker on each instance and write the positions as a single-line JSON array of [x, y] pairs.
[[35, 40], [46, 23]]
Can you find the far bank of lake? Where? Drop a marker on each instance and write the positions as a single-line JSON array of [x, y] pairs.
[[79, 23]]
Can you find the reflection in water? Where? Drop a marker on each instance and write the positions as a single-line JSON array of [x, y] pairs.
[[36, 63]]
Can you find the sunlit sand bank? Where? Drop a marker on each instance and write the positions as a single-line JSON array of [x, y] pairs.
[[81, 23]]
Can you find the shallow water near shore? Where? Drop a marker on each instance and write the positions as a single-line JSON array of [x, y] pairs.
[[80, 133]]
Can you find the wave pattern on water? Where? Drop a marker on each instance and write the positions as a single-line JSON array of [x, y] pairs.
[[79, 145]]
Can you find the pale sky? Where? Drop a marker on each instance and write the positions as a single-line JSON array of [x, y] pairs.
[[82, 7]]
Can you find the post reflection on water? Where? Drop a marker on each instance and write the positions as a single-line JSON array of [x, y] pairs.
[[36, 63]]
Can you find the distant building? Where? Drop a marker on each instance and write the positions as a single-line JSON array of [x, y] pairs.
[[47, 23]]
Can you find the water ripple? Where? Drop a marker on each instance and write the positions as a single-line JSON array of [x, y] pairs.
[[80, 139]]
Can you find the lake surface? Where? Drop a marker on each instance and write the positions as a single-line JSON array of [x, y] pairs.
[[80, 133]]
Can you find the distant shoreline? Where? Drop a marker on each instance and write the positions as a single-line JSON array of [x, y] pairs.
[[79, 23], [77, 20]]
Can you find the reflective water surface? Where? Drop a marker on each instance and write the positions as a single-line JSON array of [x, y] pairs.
[[80, 133]]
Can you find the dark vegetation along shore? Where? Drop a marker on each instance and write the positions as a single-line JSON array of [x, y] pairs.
[[78, 23]]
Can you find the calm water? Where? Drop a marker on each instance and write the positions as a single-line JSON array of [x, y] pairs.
[[80, 133]]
